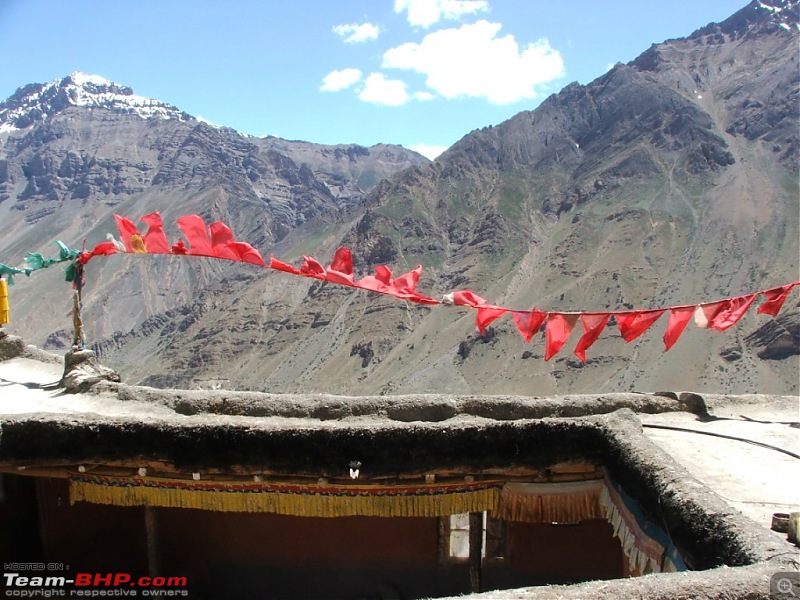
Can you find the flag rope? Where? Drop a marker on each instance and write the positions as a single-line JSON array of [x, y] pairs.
[[217, 241]]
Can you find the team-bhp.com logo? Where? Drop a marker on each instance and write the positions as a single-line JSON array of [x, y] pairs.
[[92, 585]]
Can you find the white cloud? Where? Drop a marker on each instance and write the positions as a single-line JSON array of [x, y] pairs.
[[380, 90], [353, 33], [429, 151], [472, 61], [424, 13], [339, 80]]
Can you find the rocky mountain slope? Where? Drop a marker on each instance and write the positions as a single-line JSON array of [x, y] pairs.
[[669, 180], [77, 150]]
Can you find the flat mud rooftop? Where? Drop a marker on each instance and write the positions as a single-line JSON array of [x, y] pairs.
[[713, 468]]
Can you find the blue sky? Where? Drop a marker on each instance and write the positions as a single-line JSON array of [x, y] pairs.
[[421, 73]]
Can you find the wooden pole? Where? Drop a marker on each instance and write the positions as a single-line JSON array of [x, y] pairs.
[[475, 551], [77, 322], [151, 531]]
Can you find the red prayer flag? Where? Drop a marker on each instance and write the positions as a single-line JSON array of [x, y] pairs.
[[679, 318], [342, 261], [372, 284], [379, 282], [221, 234], [155, 240], [341, 268], [221, 238], [704, 314], [383, 274], [179, 248], [559, 327], [486, 315], [593, 325], [246, 253], [340, 278], [732, 311], [126, 231], [101, 249], [403, 287], [467, 298], [528, 322], [775, 299], [418, 298], [635, 323], [194, 228], [279, 265], [312, 268], [407, 282]]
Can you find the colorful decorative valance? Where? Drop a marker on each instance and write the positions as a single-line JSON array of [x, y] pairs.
[[647, 546], [326, 500], [551, 502]]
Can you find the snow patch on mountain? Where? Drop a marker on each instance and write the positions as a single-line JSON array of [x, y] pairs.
[[784, 12], [36, 102]]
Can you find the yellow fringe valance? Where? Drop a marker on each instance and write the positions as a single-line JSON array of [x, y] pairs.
[[551, 502], [289, 499]]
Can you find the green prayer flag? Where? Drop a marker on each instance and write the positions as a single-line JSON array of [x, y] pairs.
[[9, 272], [36, 261]]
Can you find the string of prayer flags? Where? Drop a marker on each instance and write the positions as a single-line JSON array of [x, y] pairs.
[[217, 241], [214, 241], [35, 261]]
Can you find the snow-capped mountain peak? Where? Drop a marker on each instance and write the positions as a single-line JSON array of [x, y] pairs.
[[36, 102], [783, 12]]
